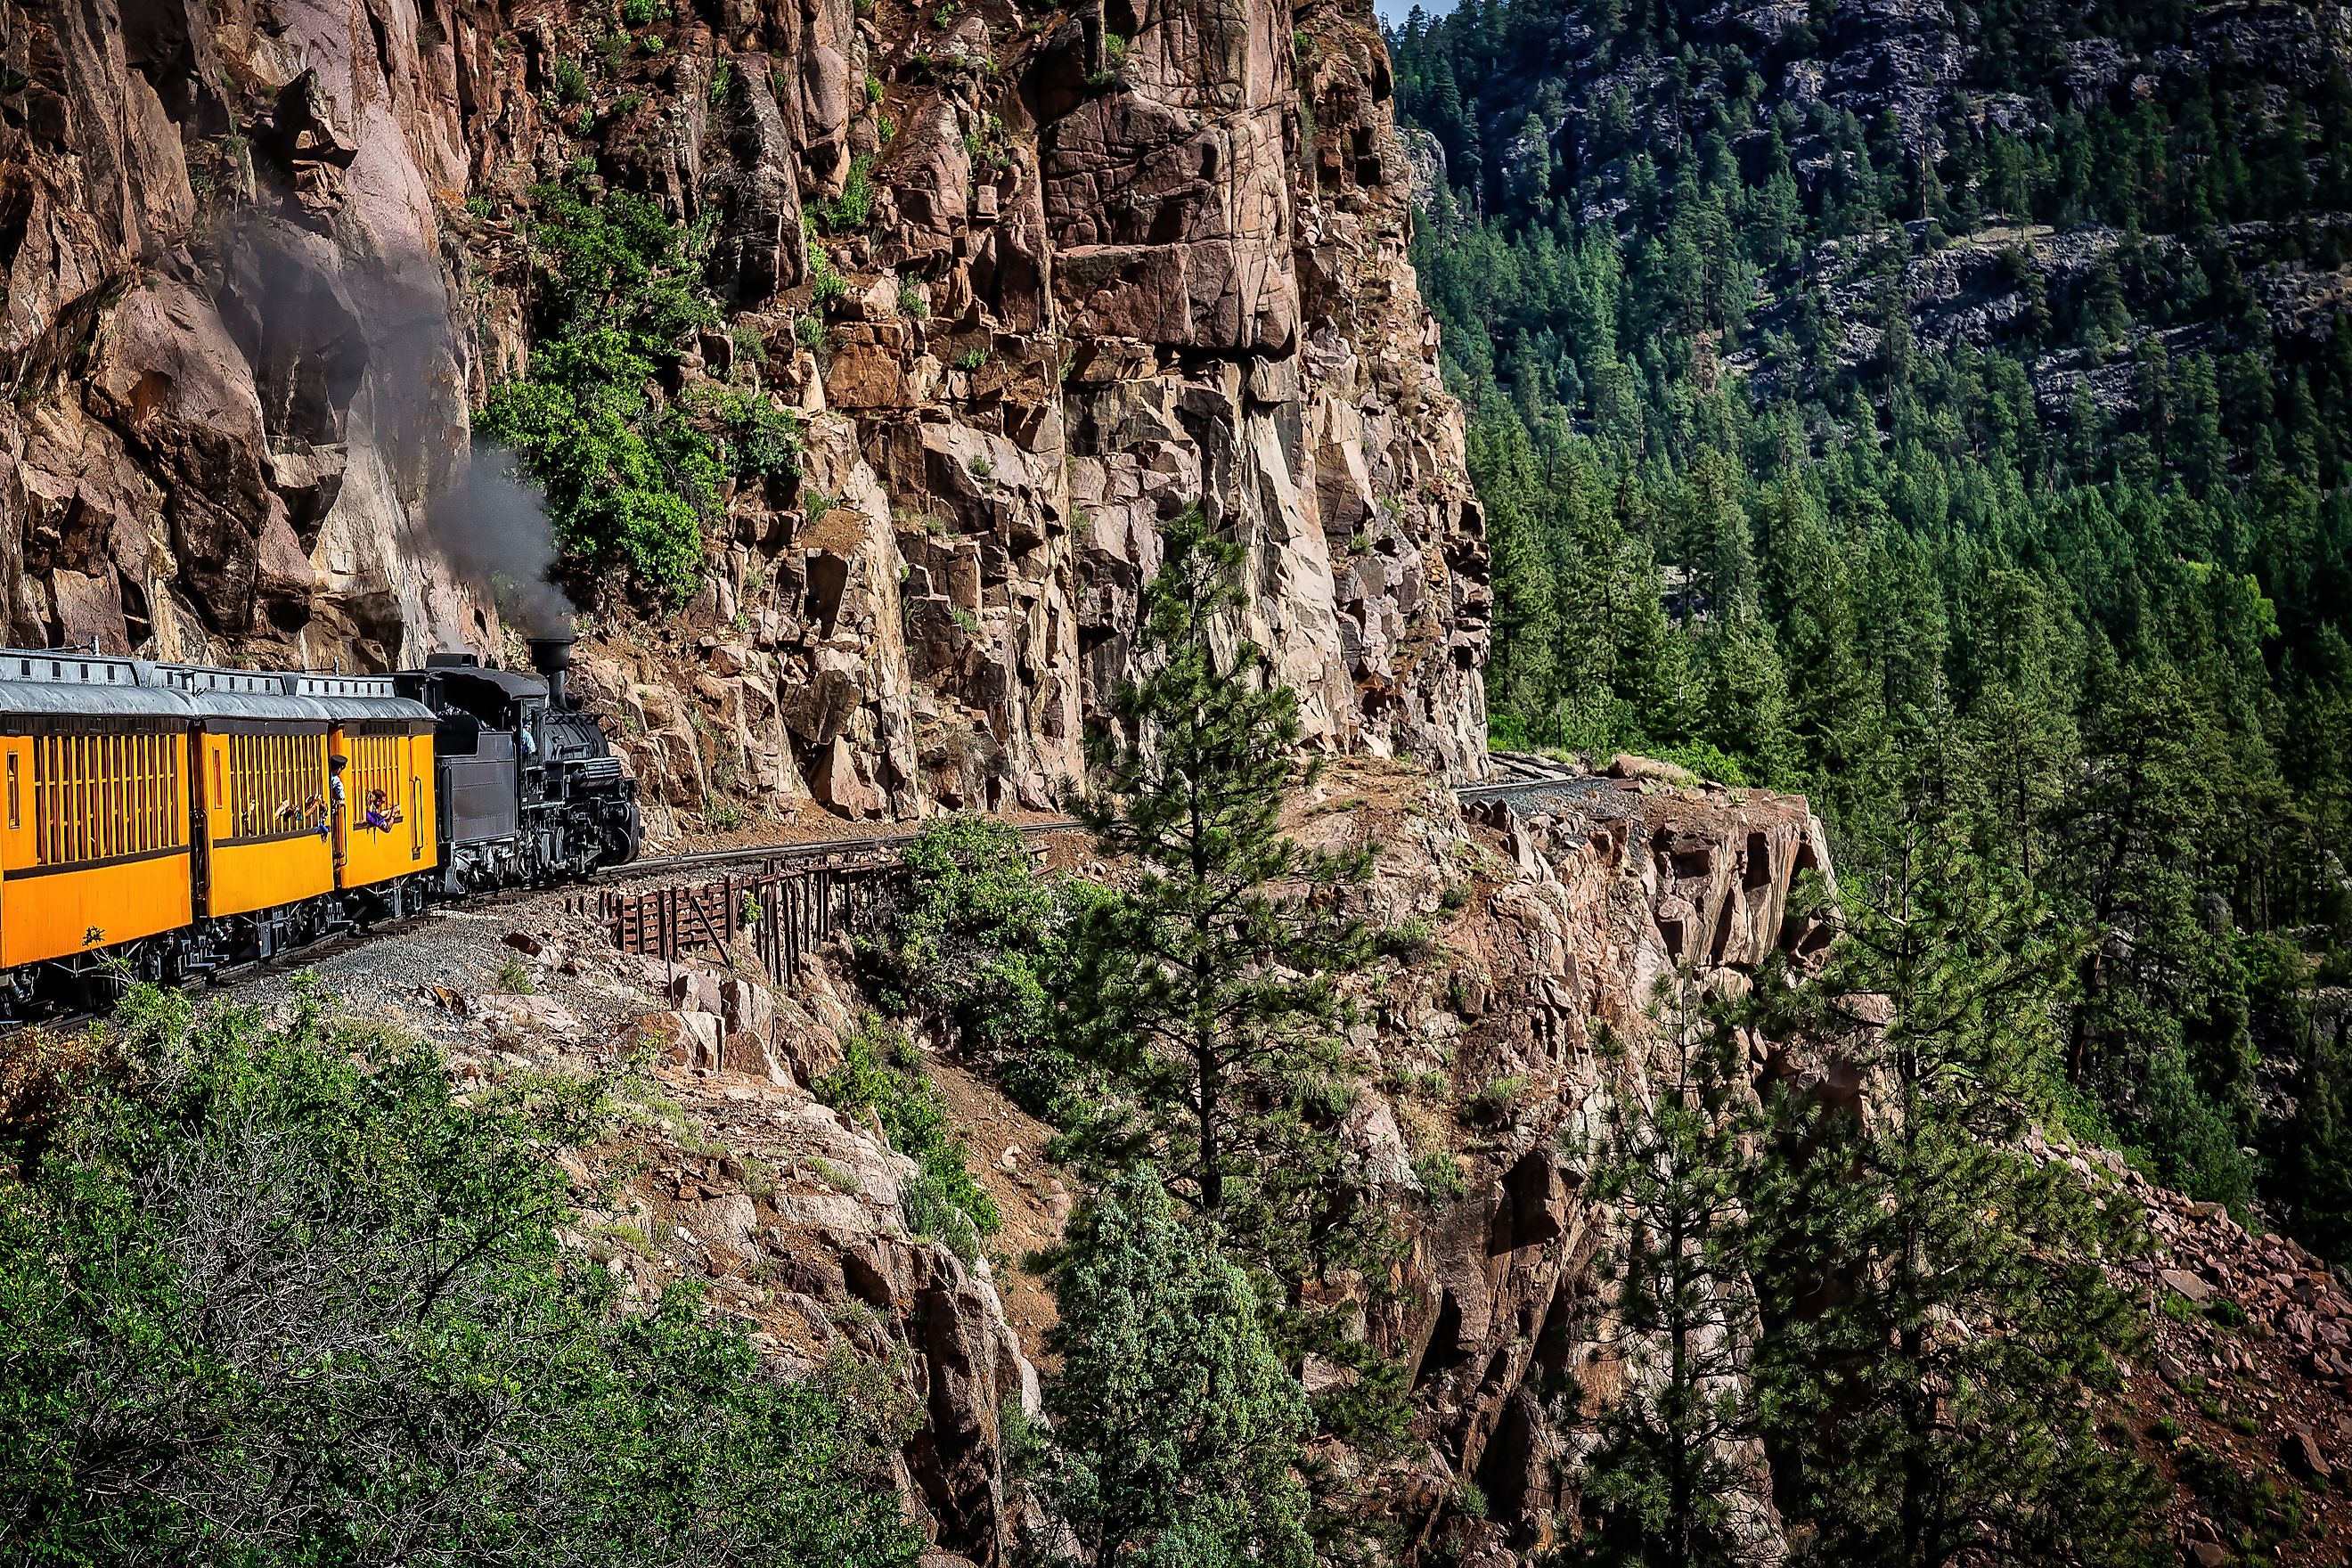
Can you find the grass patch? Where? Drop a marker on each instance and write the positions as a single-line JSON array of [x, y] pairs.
[[942, 1200]]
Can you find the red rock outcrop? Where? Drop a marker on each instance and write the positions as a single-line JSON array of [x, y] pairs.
[[263, 256], [1567, 912], [227, 333]]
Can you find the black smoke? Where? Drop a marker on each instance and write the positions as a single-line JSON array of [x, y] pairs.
[[491, 525]]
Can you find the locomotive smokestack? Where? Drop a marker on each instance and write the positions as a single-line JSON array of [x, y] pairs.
[[552, 656]]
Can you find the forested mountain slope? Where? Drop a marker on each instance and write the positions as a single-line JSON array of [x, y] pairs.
[[1942, 406]]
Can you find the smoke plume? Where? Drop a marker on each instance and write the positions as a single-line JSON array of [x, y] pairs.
[[491, 526]]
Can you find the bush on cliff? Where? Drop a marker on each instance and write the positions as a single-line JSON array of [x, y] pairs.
[[983, 941], [270, 1293], [942, 1200], [631, 475]]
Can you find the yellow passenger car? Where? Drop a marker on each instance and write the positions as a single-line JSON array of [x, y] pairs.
[[263, 822], [94, 843], [385, 829]]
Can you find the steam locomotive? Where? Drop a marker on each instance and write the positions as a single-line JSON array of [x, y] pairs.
[[164, 821], [530, 791]]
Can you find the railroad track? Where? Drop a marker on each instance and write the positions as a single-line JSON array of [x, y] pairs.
[[1516, 776], [229, 977], [1521, 776], [810, 849]]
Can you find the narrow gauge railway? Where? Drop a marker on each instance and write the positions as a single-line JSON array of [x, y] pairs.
[[170, 822]]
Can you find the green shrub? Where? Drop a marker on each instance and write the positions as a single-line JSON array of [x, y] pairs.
[[642, 13], [1114, 57], [854, 208], [1493, 1103], [1438, 1176], [981, 940], [261, 1303], [942, 1201], [761, 440], [571, 81], [825, 282], [629, 480], [913, 303]]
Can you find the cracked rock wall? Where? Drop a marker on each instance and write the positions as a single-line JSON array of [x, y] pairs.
[[263, 256], [1487, 1054]]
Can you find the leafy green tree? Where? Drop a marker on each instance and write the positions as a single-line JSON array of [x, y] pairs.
[[1837, 733], [1176, 1428], [982, 939], [631, 475], [270, 1293], [1205, 991], [1939, 1333], [1746, 703], [1670, 1161]]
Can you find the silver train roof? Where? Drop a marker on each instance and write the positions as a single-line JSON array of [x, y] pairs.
[[59, 683]]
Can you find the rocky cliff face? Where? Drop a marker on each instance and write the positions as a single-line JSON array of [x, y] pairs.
[[263, 256], [227, 330], [1486, 1054]]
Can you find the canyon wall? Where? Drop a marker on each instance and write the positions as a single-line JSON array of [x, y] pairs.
[[1494, 1053], [263, 258], [1480, 1060]]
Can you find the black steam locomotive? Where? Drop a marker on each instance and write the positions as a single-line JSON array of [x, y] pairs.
[[530, 790]]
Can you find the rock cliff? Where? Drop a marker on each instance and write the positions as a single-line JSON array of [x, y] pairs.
[[264, 258], [1476, 1061], [1487, 1056]]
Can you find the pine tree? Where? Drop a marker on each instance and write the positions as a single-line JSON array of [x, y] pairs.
[[1175, 1425], [1939, 1333], [1206, 996], [1832, 709], [1715, 536], [1746, 712], [1665, 1487]]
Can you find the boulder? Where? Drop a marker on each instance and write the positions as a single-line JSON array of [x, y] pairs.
[[2186, 1284], [699, 1039], [2301, 1453]]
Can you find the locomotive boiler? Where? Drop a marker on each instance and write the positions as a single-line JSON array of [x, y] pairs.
[[531, 790]]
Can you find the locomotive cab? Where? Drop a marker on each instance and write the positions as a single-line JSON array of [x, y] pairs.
[[531, 790]]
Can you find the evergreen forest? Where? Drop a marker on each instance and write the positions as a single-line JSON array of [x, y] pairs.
[[1934, 414]]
